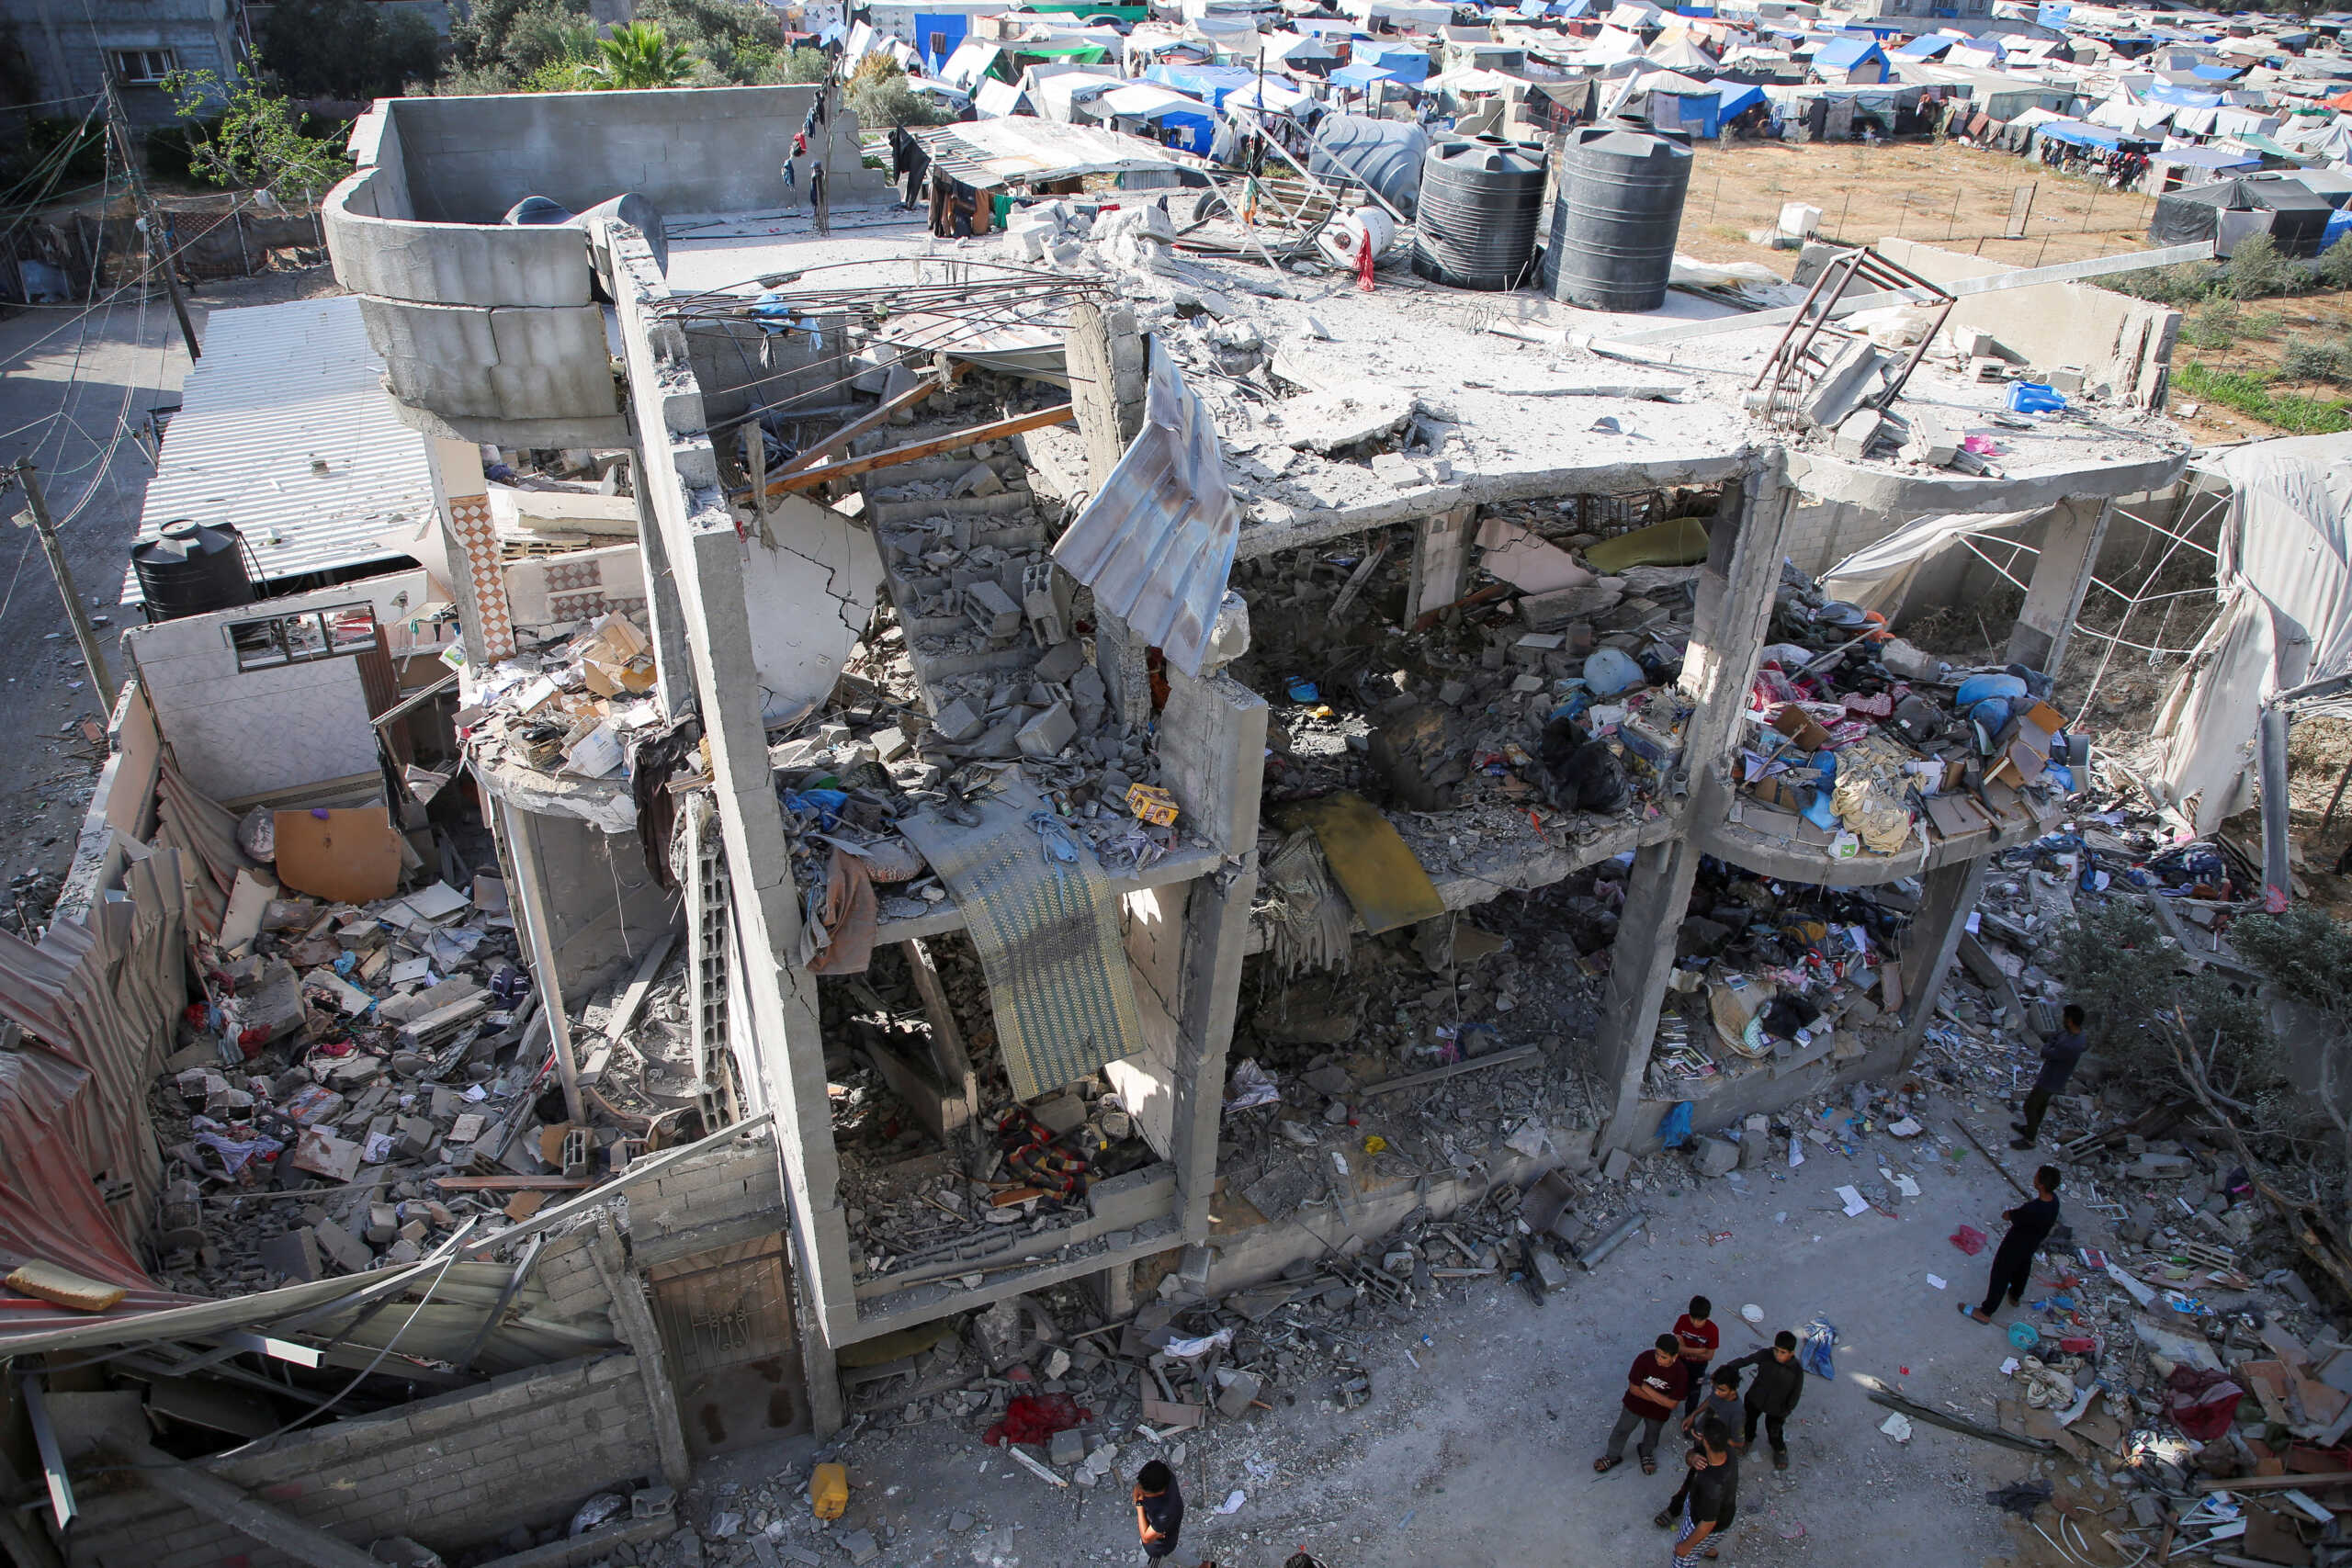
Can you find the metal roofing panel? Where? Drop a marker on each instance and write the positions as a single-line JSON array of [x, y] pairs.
[[285, 430], [1157, 544]]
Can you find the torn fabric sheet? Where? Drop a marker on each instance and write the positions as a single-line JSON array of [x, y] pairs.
[[1157, 544], [1879, 575]]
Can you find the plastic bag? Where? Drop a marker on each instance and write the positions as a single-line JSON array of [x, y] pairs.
[[1674, 1127], [1820, 1336], [1969, 1239]]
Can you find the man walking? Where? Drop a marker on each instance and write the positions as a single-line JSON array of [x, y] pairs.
[[1159, 1511], [1701, 1338], [2059, 1054], [1712, 1501], [1772, 1394], [1722, 1404], [2030, 1226], [1653, 1388]]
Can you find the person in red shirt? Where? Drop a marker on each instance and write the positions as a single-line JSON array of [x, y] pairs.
[[1654, 1388], [1700, 1339]]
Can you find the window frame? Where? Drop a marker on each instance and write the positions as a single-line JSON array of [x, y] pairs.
[[337, 631], [116, 59]]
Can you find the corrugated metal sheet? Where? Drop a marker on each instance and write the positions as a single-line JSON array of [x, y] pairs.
[[285, 430], [983, 154], [1157, 546]]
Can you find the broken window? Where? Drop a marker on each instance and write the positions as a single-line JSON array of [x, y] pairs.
[[141, 67], [302, 638]]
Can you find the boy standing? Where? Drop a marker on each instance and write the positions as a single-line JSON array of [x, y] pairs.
[[1713, 1502], [1773, 1396], [1722, 1404], [2030, 1226], [2059, 1054], [1701, 1338], [1654, 1387], [1159, 1511]]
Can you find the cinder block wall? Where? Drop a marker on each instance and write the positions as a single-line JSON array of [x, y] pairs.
[[453, 1473], [738, 1181]]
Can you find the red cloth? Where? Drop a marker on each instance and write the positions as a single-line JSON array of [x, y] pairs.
[[1672, 1380], [1704, 1337], [2203, 1403], [1363, 263], [1036, 1418], [1969, 1239]]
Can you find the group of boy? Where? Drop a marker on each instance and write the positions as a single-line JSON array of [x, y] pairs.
[[1676, 1376]]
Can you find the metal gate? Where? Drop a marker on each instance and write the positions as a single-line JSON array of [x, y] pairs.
[[727, 1327]]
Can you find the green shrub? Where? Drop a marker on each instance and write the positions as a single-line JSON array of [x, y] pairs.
[[2214, 324], [2318, 359], [2256, 270], [2334, 268], [2182, 283], [2248, 391]]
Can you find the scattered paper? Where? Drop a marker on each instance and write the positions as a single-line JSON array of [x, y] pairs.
[[1908, 1187], [1906, 1128], [1897, 1426], [2009, 1367], [1233, 1501], [1853, 1200], [1796, 1152], [1937, 1280]]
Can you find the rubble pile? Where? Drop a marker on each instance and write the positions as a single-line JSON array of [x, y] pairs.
[[1856, 740], [345, 1057], [565, 712]]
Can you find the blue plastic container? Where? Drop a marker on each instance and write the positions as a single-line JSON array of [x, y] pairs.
[[2032, 397]]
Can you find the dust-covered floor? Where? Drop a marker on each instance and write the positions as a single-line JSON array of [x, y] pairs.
[[1488, 1411]]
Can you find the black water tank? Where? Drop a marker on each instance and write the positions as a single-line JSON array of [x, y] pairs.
[[193, 568], [1385, 154], [1482, 197], [1612, 244]]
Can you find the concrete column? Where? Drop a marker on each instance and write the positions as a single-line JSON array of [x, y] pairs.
[[2061, 577], [678, 472], [1735, 595], [1212, 752], [1440, 560], [1949, 892], [530, 902], [461, 495], [1106, 354], [665, 619]]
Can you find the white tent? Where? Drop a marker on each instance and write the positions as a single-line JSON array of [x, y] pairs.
[[1678, 51], [2285, 566]]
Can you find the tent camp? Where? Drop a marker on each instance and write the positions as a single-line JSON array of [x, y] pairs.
[[2228, 210], [1852, 60]]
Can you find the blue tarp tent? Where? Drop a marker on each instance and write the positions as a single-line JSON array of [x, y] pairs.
[[1360, 76], [2179, 97], [1852, 60], [1926, 47], [939, 34], [1691, 114], [2079, 133], [1737, 98], [1210, 83], [1403, 63]]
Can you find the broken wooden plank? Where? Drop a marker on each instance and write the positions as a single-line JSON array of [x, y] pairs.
[[1033, 1468], [400, 710], [866, 423], [808, 479], [1173, 1412], [1962, 1424], [513, 1183], [1498, 1060]]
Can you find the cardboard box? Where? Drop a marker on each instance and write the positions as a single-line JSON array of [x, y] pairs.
[[1798, 725], [1154, 805], [615, 658]]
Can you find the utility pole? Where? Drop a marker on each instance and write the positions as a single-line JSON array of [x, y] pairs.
[[159, 254], [36, 517]]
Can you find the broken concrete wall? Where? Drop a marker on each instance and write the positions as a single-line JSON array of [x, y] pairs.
[[1146, 1082], [543, 591], [714, 1199], [2119, 343], [452, 1472], [810, 583], [603, 903], [121, 817], [237, 733]]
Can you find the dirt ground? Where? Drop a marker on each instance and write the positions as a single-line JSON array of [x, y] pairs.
[[1476, 1448], [75, 396]]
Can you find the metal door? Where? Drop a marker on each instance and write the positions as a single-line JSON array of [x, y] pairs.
[[727, 1327]]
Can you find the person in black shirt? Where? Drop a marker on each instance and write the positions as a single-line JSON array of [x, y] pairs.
[[1712, 1501], [2059, 1054], [1159, 1511], [2030, 1227], [1773, 1393]]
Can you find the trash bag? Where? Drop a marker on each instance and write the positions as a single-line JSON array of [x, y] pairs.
[[595, 1511], [1969, 1239], [1977, 688], [1589, 778], [1609, 670], [1674, 1127], [1813, 1351]]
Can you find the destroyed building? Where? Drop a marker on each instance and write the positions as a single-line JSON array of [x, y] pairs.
[[927, 697]]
